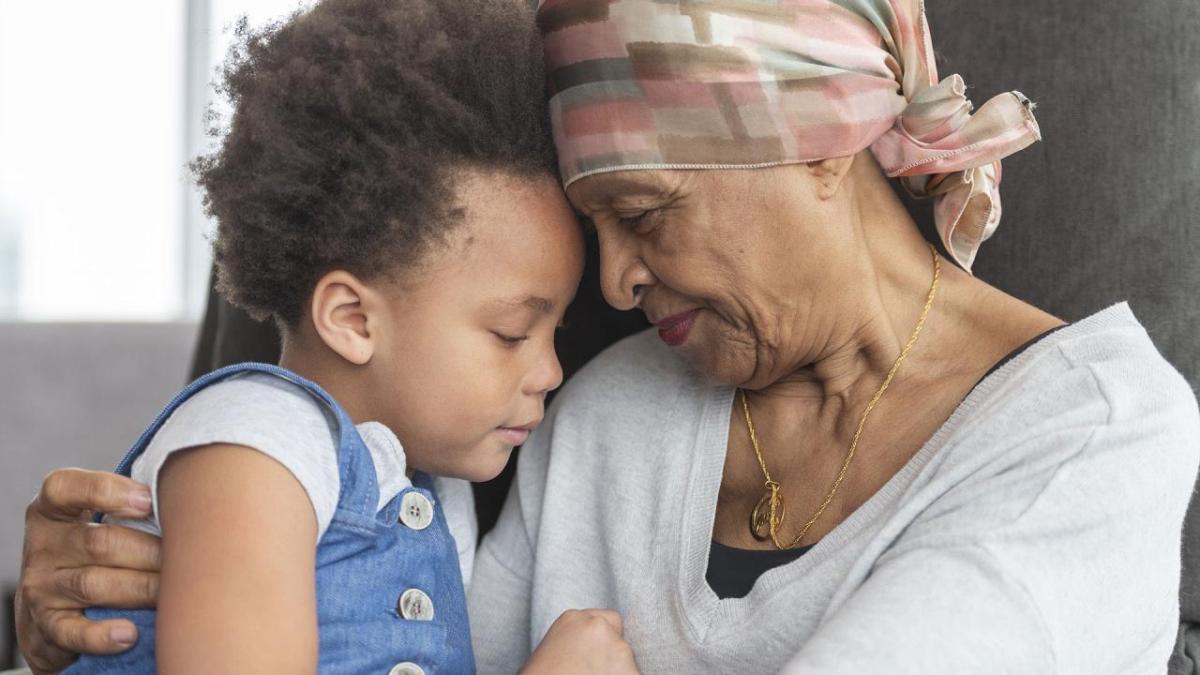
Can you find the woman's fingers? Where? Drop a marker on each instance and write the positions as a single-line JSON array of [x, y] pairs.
[[69, 563], [64, 634], [69, 494], [113, 546], [44, 659], [56, 544], [70, 632], [50, 621], [76, 587]]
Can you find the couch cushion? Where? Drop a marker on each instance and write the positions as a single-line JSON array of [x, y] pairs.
[[1105, 208]]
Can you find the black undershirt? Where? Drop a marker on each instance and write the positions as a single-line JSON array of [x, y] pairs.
[[732, 572]]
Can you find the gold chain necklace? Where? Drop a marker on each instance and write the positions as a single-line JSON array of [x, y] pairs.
[[769, 513]]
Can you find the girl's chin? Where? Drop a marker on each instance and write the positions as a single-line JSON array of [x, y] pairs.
[[485, 462], [478, 464]]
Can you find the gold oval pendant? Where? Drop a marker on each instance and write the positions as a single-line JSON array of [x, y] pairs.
[[760, 517]]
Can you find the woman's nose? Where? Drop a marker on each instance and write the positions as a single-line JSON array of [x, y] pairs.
[[623, 274]]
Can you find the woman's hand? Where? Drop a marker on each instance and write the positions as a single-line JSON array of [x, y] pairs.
[[583, 641], [70, 563]]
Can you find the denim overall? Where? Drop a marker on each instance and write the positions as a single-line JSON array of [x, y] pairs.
[[390, 597]]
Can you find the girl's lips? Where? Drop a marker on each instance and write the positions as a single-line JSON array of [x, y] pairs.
[[512, 436], [674, 330]]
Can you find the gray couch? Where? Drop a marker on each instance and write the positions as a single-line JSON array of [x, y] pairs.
[[74, 395], [1107, 207]]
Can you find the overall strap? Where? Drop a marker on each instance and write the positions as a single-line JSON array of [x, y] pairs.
[[358, 486]]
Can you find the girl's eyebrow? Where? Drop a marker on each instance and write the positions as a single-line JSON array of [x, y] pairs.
[[534, 302]]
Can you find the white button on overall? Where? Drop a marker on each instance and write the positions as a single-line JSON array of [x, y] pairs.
[[415, 605], [406, 668], [416, 511]]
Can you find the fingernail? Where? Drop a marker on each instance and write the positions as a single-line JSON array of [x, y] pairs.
[[140, 501], [123, 635]]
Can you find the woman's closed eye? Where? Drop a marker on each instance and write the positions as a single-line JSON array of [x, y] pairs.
[[631, 221], [639, 222]]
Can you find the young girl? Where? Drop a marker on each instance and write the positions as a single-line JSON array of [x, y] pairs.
[[385, 191]]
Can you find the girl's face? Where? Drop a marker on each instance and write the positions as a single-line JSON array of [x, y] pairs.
[[462, 371]]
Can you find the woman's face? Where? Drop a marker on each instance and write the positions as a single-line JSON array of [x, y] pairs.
[[739, 269]]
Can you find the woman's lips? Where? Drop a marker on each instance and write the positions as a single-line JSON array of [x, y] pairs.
[[674, 329]]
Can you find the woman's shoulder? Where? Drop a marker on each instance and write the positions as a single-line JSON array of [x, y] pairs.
[[1108, 356], [635, 389], [1097, 386], [1070, 466], [635, 369]]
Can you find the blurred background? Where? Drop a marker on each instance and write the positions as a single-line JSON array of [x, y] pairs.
[[104, 256]]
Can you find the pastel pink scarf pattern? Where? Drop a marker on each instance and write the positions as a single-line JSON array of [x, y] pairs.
[[716, 84]]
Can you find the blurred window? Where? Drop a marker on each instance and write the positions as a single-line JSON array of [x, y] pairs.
[[101, 107]]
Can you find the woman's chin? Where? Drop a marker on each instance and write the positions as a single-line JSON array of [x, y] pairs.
[[715, 364]]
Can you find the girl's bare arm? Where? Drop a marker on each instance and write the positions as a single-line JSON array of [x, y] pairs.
[[238, 587]]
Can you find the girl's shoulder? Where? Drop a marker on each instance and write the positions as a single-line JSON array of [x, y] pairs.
[[261, 411]]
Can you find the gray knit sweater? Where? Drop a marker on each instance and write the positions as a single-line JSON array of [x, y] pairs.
[[1038, 531]]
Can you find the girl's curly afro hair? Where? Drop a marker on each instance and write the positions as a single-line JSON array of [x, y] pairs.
[[350, 123]]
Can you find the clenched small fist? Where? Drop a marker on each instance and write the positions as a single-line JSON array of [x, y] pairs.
[[583, 642]]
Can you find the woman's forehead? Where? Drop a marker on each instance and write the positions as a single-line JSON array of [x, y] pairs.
[[603, 190]]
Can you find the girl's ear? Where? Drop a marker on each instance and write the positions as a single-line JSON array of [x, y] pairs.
[[343, 315]]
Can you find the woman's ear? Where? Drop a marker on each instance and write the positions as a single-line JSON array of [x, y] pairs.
[[342, 313], [830, 173]]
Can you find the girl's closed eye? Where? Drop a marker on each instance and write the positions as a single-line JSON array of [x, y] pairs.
[[510, 340], [515, 320]]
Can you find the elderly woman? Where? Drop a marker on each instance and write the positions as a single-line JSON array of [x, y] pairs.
[[839, 452]]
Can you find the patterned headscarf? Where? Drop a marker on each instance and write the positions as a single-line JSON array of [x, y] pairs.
[[713, 84]]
